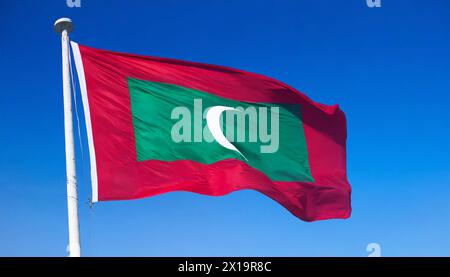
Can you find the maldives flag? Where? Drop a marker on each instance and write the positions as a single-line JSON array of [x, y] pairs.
[[157, 125]]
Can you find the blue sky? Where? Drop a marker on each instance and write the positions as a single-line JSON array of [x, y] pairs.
[[388, 68]]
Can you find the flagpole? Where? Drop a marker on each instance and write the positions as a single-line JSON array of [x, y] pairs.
[[64, 27]]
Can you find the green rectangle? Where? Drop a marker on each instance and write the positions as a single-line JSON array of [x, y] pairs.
[[168, 126]]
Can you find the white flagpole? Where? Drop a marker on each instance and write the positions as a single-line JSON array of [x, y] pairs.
[[64, 26]]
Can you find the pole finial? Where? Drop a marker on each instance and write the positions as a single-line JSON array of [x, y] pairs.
[[63, 24]]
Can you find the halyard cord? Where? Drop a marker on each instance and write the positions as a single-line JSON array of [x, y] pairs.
[[76, 106], [74, 89], [89, 199]]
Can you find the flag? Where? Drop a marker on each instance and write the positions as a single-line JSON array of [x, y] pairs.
[[157, 125]]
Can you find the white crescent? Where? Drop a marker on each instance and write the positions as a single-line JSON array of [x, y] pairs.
[[213, 122]]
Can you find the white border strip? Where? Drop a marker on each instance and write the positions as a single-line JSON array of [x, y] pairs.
[[87, 116]]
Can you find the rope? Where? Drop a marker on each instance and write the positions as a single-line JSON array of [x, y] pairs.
[[74, 89], [89, 200], [76, 107]]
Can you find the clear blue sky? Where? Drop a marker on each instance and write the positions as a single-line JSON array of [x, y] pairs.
[[388, 68]]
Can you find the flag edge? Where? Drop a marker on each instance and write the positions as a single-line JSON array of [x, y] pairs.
[[82, 80]]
